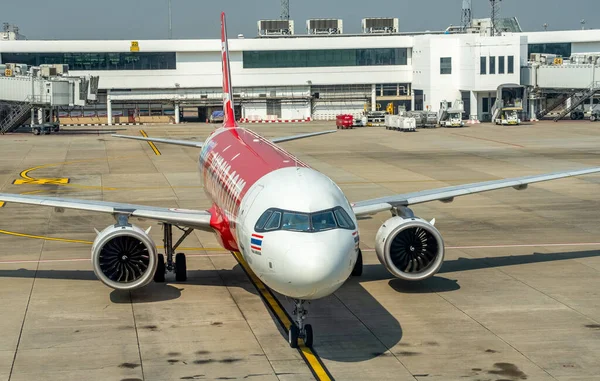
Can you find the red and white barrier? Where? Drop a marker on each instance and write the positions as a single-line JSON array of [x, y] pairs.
[[270, 120], [473, 120]]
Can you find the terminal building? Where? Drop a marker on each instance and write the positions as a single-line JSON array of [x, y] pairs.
[[285, 76]]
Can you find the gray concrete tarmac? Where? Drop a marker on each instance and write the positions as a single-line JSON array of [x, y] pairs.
[[517, 298]]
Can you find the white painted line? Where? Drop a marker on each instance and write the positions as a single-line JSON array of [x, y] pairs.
[[515, 246]]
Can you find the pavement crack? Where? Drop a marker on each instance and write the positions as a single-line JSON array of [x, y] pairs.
[[137, 337], [12, 366]]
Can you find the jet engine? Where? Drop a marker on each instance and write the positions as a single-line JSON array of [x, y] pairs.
[[124, 257], [410, 248]]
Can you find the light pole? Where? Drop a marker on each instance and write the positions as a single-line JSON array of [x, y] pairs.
[[582, 22], [170, 22]]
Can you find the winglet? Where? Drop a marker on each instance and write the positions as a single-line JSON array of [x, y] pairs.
[[229, 115]]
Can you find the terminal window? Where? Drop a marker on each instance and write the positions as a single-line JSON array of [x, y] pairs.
[[483, 65], [446, 65], [97, 61], [492, 65], [511, 64], [262, 59], [500, 64], [561, 49]]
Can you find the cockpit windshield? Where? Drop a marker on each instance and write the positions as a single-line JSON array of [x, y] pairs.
[[276, 219]]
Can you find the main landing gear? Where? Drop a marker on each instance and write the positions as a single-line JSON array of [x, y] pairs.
[[299, 330], [175, 262]]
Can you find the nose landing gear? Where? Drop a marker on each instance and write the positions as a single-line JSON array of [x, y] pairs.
[[299, 330]]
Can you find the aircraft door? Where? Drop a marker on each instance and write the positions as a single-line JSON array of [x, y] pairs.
[[247, 228]]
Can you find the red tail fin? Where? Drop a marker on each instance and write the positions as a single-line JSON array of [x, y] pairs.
[[229, 115]]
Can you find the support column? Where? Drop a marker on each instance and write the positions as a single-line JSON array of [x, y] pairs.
[[474, 108], [176, 113], [108, 110], [33, 116], [373, 97], [51, 115], [41, 115]]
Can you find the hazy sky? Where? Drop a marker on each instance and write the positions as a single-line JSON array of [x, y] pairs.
[[148, 19]]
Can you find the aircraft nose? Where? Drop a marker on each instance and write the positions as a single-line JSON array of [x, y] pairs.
[[315, 266]]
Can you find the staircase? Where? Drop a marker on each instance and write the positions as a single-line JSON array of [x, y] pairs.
[[496, 109], [577, 101], [557, 102], [16, 115]]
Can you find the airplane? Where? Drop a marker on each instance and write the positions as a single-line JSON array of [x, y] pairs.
[[292, 224]]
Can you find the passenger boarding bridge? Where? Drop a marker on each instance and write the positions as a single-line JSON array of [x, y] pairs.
[[571, 81], [41, 89]]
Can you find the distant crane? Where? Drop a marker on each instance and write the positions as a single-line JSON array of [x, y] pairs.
[[467, 15], [495, 4], [285, 9]]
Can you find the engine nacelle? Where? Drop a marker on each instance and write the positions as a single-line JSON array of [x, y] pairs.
[[124, 257], [410, 248]]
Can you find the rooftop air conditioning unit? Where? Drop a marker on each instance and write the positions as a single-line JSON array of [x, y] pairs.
[[380, 25], [324, 26], [275, 27]]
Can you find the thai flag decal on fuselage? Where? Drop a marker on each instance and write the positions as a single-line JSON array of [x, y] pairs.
[[256, 243]]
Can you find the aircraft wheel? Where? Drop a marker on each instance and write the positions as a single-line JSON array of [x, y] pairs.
[[308, 335], [180, 268], [159, 275], [358, 266], [293, 335]]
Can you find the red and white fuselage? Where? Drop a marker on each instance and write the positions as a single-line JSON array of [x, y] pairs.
[[292, 224], [246, 175]]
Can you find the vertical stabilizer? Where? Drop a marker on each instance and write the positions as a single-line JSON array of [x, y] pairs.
[[229, 115]]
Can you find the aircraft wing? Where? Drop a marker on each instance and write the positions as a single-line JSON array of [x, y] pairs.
[[301, 136], [185, 143], [191, 143], [447, 194], [195, 219]]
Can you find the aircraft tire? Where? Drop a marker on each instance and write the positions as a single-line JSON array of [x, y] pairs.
[[293, 335], [159, 275], [180, 268], [358, 266], [308, 335]]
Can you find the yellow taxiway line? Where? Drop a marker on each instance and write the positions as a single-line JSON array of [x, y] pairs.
[[67, 240], [313, 361], [151, 144]]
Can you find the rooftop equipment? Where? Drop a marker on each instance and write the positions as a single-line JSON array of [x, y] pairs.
[[380, 25], [275, 27], [467, 14], [324, 26]]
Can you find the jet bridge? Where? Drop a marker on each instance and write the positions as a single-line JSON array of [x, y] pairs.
[[567, 82], [24, 91]]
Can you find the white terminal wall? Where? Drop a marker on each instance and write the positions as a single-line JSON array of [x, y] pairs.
[[199, 67], [198, 62], [466, 52]]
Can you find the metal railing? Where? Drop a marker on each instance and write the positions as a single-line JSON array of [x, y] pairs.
[[577, 101], [17, 114]]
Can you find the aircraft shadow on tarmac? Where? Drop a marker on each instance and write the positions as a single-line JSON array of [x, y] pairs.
[[350, 316]]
